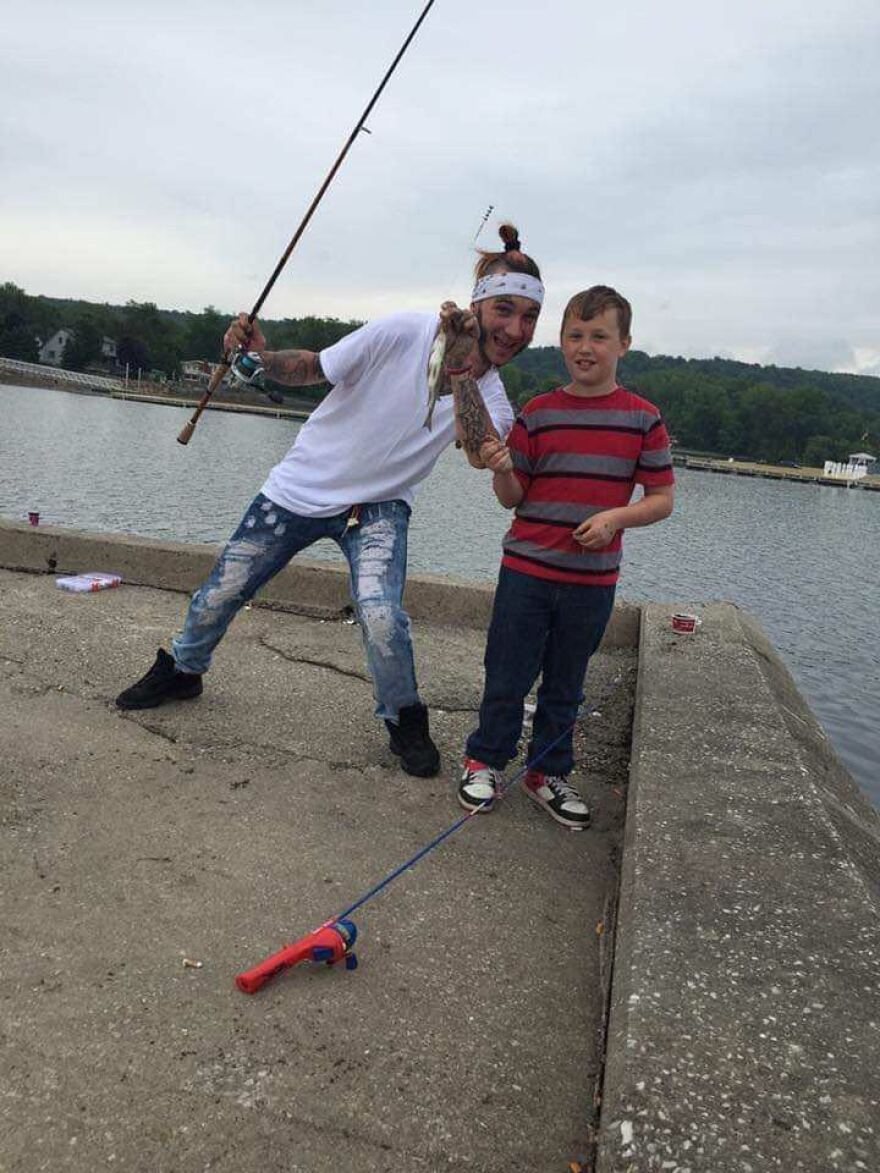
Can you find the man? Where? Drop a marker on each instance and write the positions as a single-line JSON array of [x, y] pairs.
[[352, 474]]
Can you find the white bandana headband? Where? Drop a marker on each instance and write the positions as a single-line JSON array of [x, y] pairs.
[[509, 285]]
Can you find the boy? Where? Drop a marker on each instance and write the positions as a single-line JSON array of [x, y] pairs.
[[568, 469]]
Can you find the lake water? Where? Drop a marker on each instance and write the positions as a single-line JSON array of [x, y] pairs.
[[802, 559]]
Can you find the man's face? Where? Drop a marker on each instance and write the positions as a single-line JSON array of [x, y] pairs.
[[506, 326], [591, 349]]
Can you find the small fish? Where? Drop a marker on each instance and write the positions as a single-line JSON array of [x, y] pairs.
[[435, 374]]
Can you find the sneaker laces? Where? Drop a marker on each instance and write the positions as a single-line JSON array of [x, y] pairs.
[[486, 774], [562, 788]]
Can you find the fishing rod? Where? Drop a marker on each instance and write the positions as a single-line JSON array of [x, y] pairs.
[[251, 368], [334, 940]]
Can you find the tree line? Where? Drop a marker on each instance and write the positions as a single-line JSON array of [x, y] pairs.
[[745, 410], [146, 337], [715, 405]]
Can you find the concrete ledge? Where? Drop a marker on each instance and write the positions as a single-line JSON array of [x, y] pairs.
[[745, 1014], [307, 586]]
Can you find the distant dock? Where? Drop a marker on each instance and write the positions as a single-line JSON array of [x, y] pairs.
[[774, 472], [246, 401]]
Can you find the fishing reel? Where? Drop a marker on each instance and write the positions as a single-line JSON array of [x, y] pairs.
[[247, 370]]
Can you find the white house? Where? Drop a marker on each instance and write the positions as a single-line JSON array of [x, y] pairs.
[[52, 351], [195, 370]]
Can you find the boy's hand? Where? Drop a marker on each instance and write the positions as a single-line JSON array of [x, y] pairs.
[[597, 531], [241, 333], [462, 331], [496, 456]]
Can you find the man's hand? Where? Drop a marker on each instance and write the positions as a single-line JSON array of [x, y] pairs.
[[241, 334], [496, 456], [597, 531], [462, 332]]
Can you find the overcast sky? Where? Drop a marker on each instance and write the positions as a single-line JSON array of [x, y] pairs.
[[717, 162]]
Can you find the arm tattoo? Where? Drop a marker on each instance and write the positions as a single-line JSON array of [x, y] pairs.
[[294, 368], [475, 423]]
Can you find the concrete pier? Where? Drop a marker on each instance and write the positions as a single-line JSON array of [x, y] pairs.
[[746, 1009], [691, 985]]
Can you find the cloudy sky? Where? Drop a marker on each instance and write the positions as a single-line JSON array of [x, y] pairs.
[[718, 162]]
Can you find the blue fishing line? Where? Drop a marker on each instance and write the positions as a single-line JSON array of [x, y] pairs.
[[459, 822]]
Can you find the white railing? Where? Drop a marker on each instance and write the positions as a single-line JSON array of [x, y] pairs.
[[844, 471], [79, 378]]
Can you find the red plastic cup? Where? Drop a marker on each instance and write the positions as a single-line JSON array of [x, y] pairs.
[[33, 517], [684, 623]]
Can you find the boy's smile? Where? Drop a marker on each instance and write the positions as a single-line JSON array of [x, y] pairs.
[[591, 350]]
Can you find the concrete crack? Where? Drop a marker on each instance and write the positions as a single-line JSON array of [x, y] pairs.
[[256, 749], [154, 729], [313, 662]]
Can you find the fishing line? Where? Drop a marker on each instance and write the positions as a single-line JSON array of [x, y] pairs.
[[457, 278], [583, 711], [486, 216], [334, 939]]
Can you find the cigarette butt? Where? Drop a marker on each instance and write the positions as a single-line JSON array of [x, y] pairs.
[[188, 963]]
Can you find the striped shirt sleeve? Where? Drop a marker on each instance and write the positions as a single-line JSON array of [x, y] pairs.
[[654, 467], [521, 453]]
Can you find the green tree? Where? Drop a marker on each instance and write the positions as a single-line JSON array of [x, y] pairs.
[[133, 354], [18, 336], [817, 450], [203, 335], [514, 383], [306, 333], [84, 346], [160, 338]]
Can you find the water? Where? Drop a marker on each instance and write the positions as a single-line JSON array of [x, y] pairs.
[[802, 559]]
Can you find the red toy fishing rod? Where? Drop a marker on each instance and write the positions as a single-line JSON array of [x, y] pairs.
[[330, 943], [245, 366]]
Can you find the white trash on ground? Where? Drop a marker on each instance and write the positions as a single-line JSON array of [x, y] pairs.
[[91, 580]]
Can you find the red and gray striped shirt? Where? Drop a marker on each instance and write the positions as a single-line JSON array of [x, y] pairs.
[[575, 456]]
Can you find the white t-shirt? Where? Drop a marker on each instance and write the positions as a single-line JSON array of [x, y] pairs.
[[366, 441]]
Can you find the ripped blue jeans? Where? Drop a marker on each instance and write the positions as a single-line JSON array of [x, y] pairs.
[[265, 541]]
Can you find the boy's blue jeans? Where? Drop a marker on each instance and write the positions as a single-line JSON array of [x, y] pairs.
[[265, 541], [546, 627]]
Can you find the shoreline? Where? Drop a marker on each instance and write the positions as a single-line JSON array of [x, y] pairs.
[[252, 403], [773, 472], [246, 401]]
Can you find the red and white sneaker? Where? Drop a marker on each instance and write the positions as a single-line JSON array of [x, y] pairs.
[[479, 785], [558, 798]]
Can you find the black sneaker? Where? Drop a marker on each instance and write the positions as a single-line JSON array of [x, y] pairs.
[[412, 743], [164, 682], [558, 798]]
